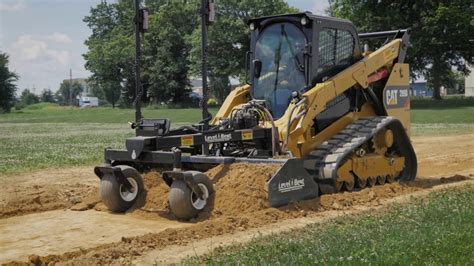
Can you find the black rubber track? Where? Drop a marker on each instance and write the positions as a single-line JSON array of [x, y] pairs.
[[323, 162]]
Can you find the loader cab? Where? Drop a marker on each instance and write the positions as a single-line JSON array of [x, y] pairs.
[[294, 52]]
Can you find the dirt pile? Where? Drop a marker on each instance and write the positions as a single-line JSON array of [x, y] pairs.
[[240, 188], [454, 178], [39, 198], [367, 197], [154, 202], [240, 191]]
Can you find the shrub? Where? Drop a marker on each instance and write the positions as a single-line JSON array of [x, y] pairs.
[[212, 102], [20, 105]]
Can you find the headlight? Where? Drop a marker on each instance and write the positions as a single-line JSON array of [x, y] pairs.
[[304, 21], [252, 26]]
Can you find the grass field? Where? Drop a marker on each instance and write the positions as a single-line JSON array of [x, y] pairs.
[[446, 111], [433, 231], [424, 111], [48, 113], [45, 135], [32, 146]]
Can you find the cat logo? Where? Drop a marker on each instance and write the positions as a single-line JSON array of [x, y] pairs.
[[392, 97]]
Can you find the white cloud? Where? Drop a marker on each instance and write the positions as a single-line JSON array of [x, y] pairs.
[[320, 7], [59, 38], [61, 56], [30, 49], [12, 5]]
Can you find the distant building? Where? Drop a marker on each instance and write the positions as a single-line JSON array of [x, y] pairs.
[[418, 88], [196, 86], [469, 86], [85, 85]]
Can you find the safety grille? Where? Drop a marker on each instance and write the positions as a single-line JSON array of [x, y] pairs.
[[336, 49]]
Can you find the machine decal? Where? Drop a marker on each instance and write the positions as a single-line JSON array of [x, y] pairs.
[[187, 141], [291, 185], [247, 135], [219, 137], [396, 97]]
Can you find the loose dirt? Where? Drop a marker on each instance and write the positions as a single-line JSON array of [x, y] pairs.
[[46, 190], [239, 205], [52, 231]]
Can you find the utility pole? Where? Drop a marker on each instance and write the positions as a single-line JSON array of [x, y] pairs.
[[141, 25], [70, 86], [207, 18]]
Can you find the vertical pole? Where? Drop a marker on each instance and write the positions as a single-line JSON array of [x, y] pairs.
[[204, 14], [70, 86], [205, 112], [138, 85]]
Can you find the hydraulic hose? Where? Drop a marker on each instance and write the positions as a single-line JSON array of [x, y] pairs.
[[275, 139], [290, 121]]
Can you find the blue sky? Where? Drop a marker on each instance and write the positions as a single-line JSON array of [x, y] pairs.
[[45, 38]]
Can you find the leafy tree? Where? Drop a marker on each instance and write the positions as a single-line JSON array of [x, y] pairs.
[[441, 31], [166, 51], [451, 79], [111, 48], [47, 96], [64, 93], [7, 85], [28, 98], [96, 90], [111, 92], [172, 42], [229, 39]]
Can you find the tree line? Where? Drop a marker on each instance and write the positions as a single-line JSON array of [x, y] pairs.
[[441, 45], [442, 40], [171, 47]]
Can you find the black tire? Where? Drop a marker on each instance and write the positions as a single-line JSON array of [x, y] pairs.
[[181, 197], [114, 195]]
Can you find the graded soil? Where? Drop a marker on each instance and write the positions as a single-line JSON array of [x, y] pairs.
[[238, 205]]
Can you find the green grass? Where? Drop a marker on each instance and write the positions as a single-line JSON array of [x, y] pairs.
[[446, 103], [437, 230], [424, 111], [47, 135], [49, 113], [459, 115], [32, 146], [453, 110]]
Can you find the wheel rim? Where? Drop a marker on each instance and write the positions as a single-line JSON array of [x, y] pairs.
[[129, 194], [198, 203]]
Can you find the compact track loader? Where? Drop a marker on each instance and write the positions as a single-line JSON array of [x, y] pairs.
[[334, 115]]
